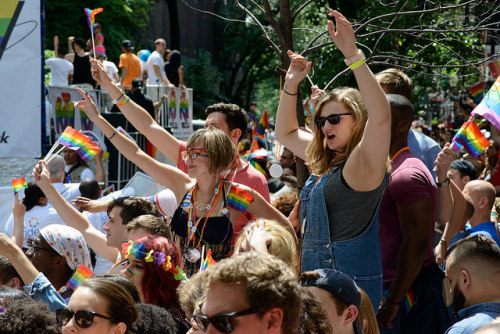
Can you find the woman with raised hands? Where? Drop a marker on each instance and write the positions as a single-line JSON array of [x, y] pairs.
[[208, 205], [348, 155]]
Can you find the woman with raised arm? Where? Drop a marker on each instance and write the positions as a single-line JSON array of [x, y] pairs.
[[208, 205], [348, 155]]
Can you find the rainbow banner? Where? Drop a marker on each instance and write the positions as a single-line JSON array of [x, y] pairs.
[[72, 138], [81, 274], [489, 107], [19, 184], [470, 138], [91, 16], [260, 131], [239, 199]]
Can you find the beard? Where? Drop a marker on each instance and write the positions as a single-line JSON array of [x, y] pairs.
[[458, 301]]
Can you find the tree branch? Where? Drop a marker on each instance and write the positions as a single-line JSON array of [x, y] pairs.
[[301, 8]]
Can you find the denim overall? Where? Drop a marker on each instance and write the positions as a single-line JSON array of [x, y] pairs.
[[359, 257]]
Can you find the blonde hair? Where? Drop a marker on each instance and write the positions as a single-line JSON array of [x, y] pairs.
[[220, 149], [282, 243], [319, 156], [367, 313]]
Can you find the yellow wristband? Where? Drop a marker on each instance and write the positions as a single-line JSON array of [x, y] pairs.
[[357, 64], [122, 103]]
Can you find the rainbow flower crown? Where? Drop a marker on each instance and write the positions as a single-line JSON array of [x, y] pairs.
[[158, 258]]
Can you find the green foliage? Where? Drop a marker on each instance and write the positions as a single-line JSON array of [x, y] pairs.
[[48, 54], [120, 19]]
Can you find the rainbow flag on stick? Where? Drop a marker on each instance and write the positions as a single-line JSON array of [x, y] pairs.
[[207, 262], [81, 274], [470, 138], [260, 131], [489, 107], [72, 138], [91, 13], [477, 91], [19, 184]]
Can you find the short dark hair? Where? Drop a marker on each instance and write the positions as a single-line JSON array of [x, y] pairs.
[[62, 48], [7, 271], [236, 117], [90, 188], [476, 248], [133, 207], [154, 319], [80, 42], [27, 316]]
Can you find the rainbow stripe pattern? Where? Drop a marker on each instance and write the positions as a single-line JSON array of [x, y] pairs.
[[91, 16], [408, 301], [477, 91], [72, 138], [19, 184], [207, 262], [239, 199], [260, 130], [9, 12], [80, 275], [470, 138], [489, 107]]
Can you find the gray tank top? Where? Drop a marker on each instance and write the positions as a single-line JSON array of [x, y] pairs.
[[349, 212]]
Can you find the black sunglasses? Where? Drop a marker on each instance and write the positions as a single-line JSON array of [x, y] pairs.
[[83, 318], [332, 119], [33, 247], [222, 322]]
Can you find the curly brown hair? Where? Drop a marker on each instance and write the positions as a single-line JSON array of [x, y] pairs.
[[313, 318], [28, 317]]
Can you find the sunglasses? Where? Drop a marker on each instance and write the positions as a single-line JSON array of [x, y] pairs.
[[83, 318], [195, 153], [222, 322], [33, 247], [332, 119]]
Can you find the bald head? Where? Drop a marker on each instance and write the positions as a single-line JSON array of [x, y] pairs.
[[56, 168], [482, 194]]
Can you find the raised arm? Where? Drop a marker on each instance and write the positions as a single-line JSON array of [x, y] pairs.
[[139, 117], [444, 199], [18, 211], [95, 239], [366, 166], [168, 176], [287, 127]]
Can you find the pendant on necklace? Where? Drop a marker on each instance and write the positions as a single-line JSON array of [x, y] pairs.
[[192, 254]]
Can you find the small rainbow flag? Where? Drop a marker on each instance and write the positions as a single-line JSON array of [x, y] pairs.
[[408, 301], [208, 262], [470, 138], [81, 274], [72, 138], [91, 16], [489, 107], [253, 118], [19, 184], [239, 199], [260, 131], [477, 91]]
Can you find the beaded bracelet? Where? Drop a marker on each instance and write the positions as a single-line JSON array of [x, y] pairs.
[[124, 101]]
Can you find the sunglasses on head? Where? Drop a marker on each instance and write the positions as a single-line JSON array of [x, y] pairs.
[[332, 119], [222, 322], [194, 153], [83, 318]]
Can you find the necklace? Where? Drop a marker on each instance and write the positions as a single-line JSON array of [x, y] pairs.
[[399, 152]]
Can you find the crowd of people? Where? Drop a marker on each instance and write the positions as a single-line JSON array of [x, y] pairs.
[[391, 233]]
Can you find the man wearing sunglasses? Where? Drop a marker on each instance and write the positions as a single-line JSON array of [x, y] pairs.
[[250, 293]]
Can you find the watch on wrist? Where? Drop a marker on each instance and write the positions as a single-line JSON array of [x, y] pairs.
[[445, 183], [355, 58]]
